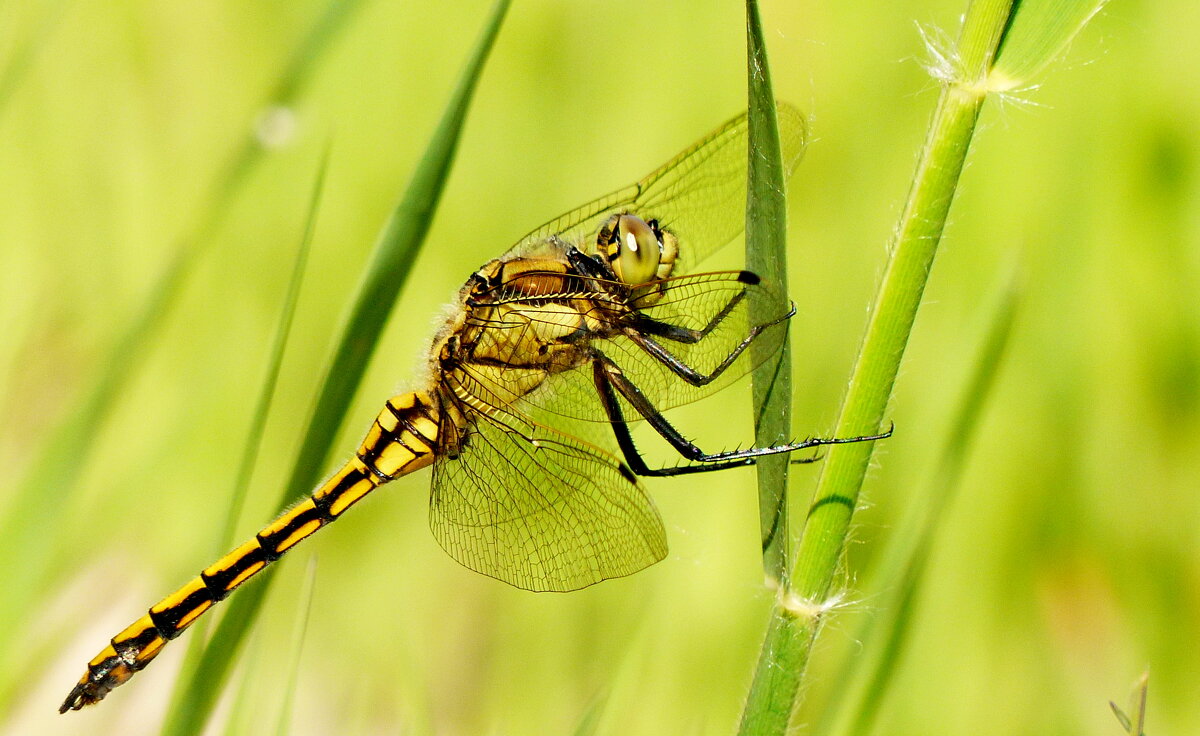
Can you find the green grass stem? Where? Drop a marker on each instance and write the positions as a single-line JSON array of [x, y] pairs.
[[296, 648], [258, 419], [21, 58], [1134, 722], [589, 722], [246, 708], [865, 678]]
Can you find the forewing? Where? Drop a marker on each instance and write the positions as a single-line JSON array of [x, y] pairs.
[[699, 195], [541, 510]]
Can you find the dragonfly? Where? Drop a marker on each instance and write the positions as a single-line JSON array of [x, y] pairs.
[[590, 324]]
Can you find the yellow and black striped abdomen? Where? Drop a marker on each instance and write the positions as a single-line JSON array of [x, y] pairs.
[[403, 439]]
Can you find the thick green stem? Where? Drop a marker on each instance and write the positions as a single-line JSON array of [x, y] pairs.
[[887, 335]]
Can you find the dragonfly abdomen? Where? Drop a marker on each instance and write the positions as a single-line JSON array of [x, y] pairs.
[[401, 440]]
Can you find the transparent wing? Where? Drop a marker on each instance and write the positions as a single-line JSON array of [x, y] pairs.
[[540, 509], [699, 195]]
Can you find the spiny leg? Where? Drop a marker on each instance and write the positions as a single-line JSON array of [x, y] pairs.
[[633, 458], [690, 374], [645, 328], [611, 383], [687, 334]]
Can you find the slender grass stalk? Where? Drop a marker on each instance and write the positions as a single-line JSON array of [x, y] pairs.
[[798, 610], [246, 706], [766, 255], [22, 57], [30, 531], [865, 680], [296, 647], [1134, 722], [258, 421], [589, 723], [385, 275], [796, 615]]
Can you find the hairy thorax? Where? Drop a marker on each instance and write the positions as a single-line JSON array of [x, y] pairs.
[[523, 318]]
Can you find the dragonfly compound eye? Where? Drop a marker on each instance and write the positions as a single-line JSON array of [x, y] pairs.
[[638, 251]]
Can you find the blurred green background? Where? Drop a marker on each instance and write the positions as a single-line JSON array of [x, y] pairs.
[[1066, 566]]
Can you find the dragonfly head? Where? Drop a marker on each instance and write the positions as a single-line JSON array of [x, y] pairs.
[[637, 251]]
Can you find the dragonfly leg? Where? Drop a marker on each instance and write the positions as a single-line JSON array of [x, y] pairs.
[[613, 385], [649, 326], [691, 336], [687, 372]]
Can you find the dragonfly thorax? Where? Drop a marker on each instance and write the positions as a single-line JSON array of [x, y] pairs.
[[522, 319]]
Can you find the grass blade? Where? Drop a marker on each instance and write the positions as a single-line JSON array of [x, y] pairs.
[[386, 273], [766, 255], [247, 701], [283, 727], [1039, 32], [258, 422], [28, 529], [590, 722], [1134, 722], [22, 58]]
